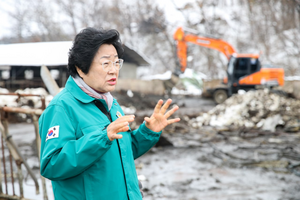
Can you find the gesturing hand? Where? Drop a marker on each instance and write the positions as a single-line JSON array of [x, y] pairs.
[[159, 118], [120, 125]]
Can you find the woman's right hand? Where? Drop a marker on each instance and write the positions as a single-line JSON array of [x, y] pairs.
[[120, 125]]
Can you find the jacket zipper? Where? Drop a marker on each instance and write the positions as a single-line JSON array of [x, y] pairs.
[[104, 111], [123, 168]]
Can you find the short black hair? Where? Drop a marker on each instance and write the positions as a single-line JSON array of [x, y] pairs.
[[87, 43]]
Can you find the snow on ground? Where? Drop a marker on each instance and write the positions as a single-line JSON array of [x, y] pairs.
[[259, 109], [11, 100], [164, 76], [29, 189], [292, 78], [7, 100]]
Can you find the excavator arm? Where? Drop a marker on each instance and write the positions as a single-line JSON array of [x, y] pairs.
[[181, 47]]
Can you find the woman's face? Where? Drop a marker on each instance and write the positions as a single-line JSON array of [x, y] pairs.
[[97, 78]]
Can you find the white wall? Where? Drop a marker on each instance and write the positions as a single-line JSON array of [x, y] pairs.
[[128, 71]]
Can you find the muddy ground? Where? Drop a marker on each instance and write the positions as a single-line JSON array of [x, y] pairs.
[[205, 163]]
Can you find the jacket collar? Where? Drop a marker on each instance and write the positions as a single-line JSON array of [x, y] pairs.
[[75, 90]]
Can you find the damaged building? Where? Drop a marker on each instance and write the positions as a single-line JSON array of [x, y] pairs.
[[20, 63]]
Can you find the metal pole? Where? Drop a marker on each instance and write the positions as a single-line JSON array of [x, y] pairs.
[[49, 81], [43, 102], [4, 168], [20, 177], [22, 110], [38, 145], [37, 135], [12, 174], [1, 190]]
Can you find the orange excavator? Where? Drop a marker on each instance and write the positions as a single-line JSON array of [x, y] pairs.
[[244, 71]]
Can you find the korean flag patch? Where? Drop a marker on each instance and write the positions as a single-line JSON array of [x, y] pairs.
[[118, 114], [53, 132]]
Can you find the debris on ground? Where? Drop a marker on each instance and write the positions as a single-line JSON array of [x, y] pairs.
[[210, 164], [30, 101], [247, 147], [259, 109]]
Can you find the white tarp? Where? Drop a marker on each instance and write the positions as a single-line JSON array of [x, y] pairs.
[[35, 54]]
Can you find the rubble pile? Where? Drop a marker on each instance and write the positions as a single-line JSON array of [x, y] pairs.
[[260, 109], [24, 102]]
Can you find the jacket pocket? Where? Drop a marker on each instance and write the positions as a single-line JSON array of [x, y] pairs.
[[96, 127]]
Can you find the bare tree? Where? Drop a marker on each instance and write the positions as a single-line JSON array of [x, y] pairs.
[[147, 26], [275, 25], [272, 26], [19, 16], [68, 6]]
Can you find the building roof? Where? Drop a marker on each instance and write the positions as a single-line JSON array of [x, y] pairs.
[[49, 54], [133, 57]]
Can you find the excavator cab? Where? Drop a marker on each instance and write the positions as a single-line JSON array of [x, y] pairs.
[[239, 66]]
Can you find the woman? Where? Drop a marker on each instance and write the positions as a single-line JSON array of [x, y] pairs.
[[88, 148]]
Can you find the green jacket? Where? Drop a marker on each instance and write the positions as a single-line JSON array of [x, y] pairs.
[[77, 155]]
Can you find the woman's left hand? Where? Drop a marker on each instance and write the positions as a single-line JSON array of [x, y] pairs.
[[159, 118]]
